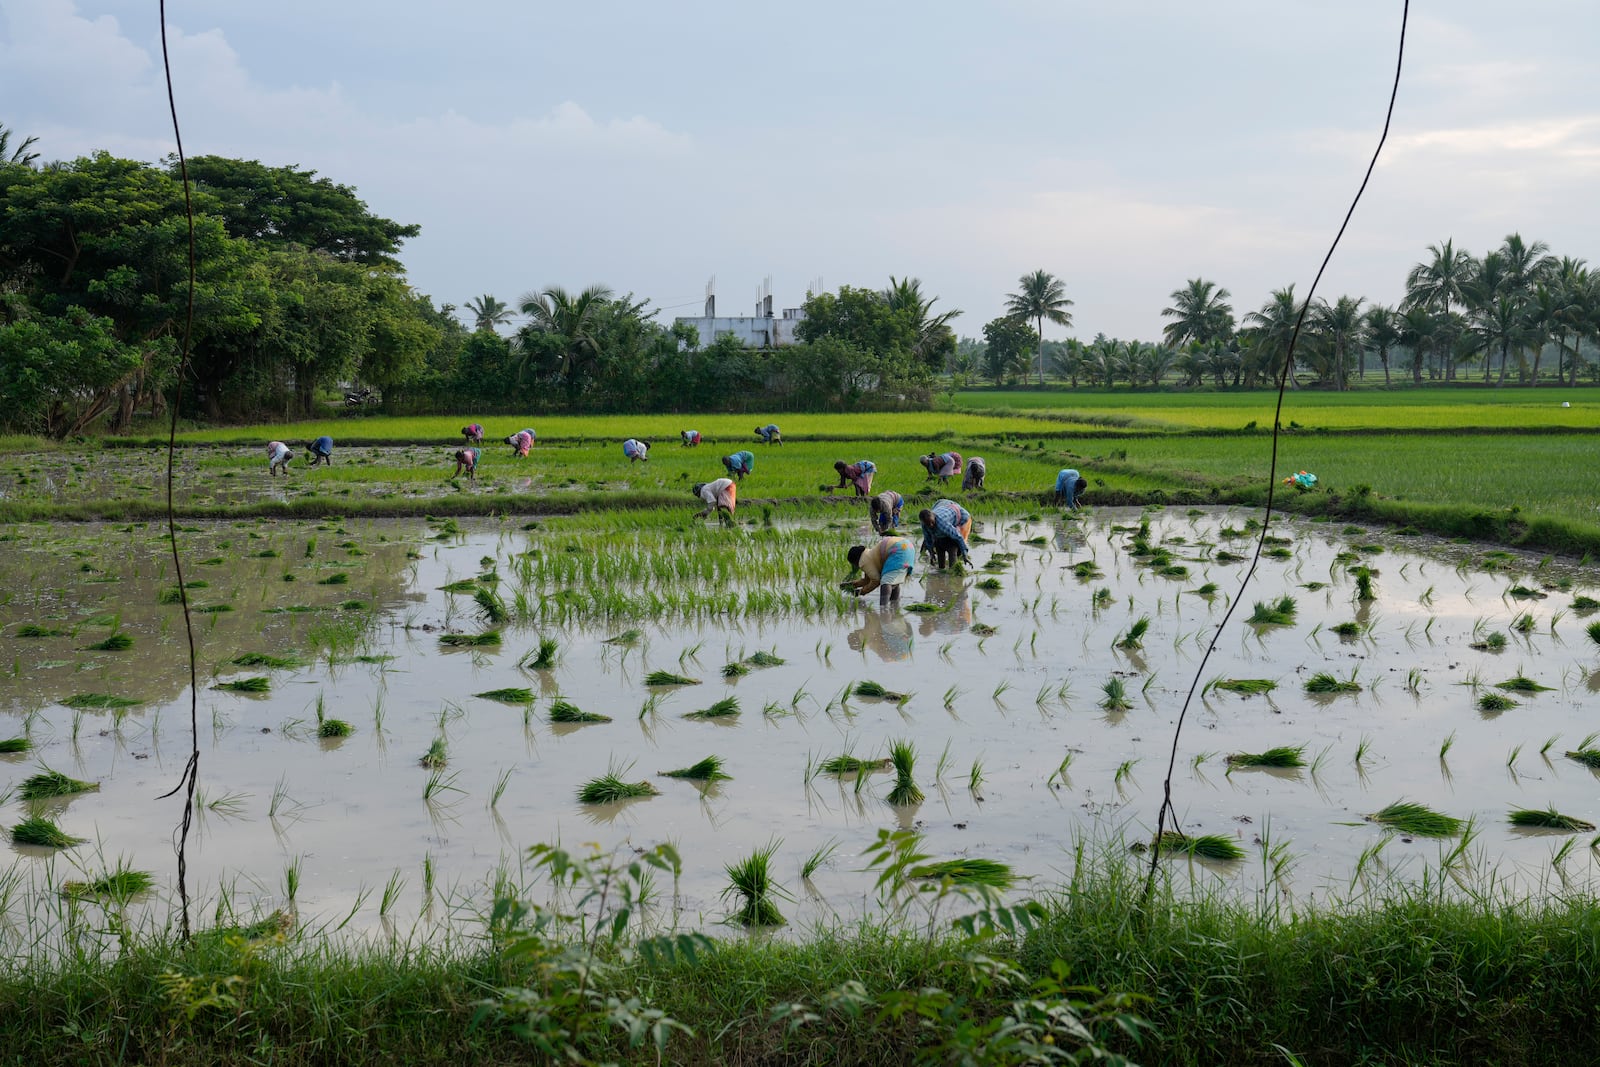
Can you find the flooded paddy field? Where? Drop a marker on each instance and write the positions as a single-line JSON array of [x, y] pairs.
[[1037, 694]]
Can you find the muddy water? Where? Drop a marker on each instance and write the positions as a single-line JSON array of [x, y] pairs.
[[353, 817]]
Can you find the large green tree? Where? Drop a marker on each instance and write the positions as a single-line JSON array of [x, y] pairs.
[[1200, 312]]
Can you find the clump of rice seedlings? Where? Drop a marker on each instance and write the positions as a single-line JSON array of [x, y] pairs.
[[120, 884], [842, 765], [98, 701], [329, 728], [766, 659], [922, 607], [29, 629], [465, 585], [610, 788], [1347, 629], [1246, 686], [43, 833], [1525, 623], [1116, 696], [1134, 638], [750, 883], [563, 712], [1224, 556], [1522, 592], [1323, 682], [1519, 684], [1102, 598], [436, 756], [262, 659], [1492, 642], [114, 643], [212, 609], [1495, 703], [1208, 589], [817, 859], [354, 605], [903, 756], [1593, 630], [1586, 753], [1585, 603], [15, 744], [626, 637], [655, 678], [983, 629], [1203, 846], [542, 658], [1416, 819], [487, 638], [491, 607], [991, 873], [1549, 819], [47, 784], [991, 585], [1281, 756], [336, 578], [737, 669], [707, 770], [1087, 570], [509, 695], [875, 691], [1280, 612], [725, 708], [257, 684], [1364, 589]]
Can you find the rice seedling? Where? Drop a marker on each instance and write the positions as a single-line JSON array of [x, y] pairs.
[[48, 783], [999, 692], [1585, 604], [333, 728], [1494, 641], [1495, 703], [725, 708], [991, 873], [1548, 819], [262, 659], [626, 637], [815, 861], [1203, 846], [610, 788], [1102, 598], [750, 883], [1134, 638], [707, 770], [120, 884], [1280, 612], [436, 756], [766, 659], [489, 638], [1116, 696], [1124, 772], [1282, 756], [1363, 747], [114, 643], [922, 607], [509, 695], [990, 585], [1522, 592], [1586, 753], [983, 629], [1363, 576], [29, 629], [872, 690], [563, 712], [542, 658], [1347, 629], [1416, 820], [257, 684], [1323, 682], [41, 832], [491, 606], [1520, 684], [1246, 686], [975, 775], [465, 585], [1447, 744], [661, 678], [336, 578], [848, 764], [499, 789], [1209, 589], [735, 670], [1525, 623], [1087, 570], [903, 755]]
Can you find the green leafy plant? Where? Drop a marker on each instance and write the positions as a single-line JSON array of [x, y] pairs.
[[1417, 820], [1280, 612], [751, 885], [903, 755]]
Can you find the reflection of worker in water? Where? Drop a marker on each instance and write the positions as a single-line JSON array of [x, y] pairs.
[[886, 631], [950, 592]]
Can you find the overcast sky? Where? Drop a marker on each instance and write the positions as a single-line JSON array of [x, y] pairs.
[[1124, 147]]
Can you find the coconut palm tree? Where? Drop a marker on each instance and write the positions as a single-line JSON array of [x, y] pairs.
[[18, 156], [1200, 312], [1570, 279], [1526, 264], [573, 319], [1383, 333], [935, 338], [1339, 327], [1440, 281], [488, 313], [1042, 296], [1274, 329]]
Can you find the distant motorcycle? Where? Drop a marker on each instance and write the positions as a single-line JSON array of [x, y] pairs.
[[360, 398]]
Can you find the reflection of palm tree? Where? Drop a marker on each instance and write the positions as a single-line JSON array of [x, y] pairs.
[[1200, 312], [1043, 296], [19, 156], [488, 313]]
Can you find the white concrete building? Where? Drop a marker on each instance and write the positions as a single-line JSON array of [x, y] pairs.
[[761, 330]]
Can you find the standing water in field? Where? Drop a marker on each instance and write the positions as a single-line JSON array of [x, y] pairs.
[[632, 682]]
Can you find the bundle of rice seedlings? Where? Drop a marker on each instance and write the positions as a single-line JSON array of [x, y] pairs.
[[1041, 540], [922, 607], [48, 783], [1278, 613], [563, 712], [1203, 846], [1587, 755], [610, 788], [1525, 623], [967, 872], [1495, 702], [489, 637], [1347, 629], [1522, 592], [903, 755], [465, 585], [1086, 570], [1281, 756], [114, 643], [1134, 638], [212, 609], [872, 690], [707, 770], [656, 678], [509, 695], [750, 882], [626, 637], [336, 578], [1247, 686], [1519, 684], [842, 765], [1494, 642], [991, 585], [1416, 820], [1323, 682], [1364, 583], [330, 728], [995, 563], [99, 701], [735, 670], [436, 756], [1585, 603], [1224, 556], [256, 684], [766, 659], [722, 709], [1116, 696], [983, 629], [353, 605], [490, 606], [262, 659], [542, 658], [1551, 819], [29, 629], [15, 744], [43, 833], [120, 884]]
